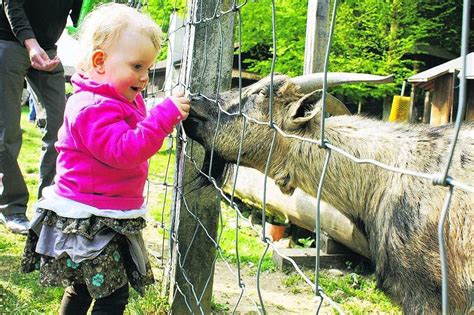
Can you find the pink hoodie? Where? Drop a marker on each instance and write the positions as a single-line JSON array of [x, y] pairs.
[[104, 144]]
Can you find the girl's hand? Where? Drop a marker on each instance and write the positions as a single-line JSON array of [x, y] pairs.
[[182, 103]]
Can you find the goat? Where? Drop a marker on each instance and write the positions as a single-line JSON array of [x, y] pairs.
[[399, 213]]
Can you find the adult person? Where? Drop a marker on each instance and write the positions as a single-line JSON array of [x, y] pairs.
[[29, 30]]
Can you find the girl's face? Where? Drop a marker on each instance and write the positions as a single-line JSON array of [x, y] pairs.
[[125, 64]]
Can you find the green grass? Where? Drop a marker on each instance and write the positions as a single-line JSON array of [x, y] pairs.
[[356, 293], [20, 292], [250, 246]]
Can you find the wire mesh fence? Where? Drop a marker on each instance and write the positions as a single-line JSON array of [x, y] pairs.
[[189, 180]]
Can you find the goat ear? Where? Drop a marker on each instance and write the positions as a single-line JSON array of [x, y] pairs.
[[335, 107], [309, 106], [302, 111]]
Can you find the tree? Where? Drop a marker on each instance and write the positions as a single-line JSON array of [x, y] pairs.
[[373, 36], [370, 36]]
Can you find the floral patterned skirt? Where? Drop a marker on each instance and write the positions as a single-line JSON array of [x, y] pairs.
[[111, 269]]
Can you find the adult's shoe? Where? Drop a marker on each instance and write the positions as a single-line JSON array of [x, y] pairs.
[[17, 223]]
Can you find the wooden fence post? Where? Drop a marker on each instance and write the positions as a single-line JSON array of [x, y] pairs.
[[208, 54], [317, 33]]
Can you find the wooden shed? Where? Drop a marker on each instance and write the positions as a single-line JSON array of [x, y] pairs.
[[441, 87]]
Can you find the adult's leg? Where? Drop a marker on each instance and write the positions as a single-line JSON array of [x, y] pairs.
[[113, 304], [14, 62], [76, 300], [49, 88]]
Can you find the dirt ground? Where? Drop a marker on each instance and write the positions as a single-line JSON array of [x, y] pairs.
[[278, 298]]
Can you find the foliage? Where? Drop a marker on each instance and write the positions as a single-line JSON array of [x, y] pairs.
[[160, 11], [372, 36], [306, 242], [257, 36], [446, 19]]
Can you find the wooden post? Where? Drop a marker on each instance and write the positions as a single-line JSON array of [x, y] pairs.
[[427, 108], [470, 101], [316, 36], [412, 110], [209, 52], [442, 100], [387, 106]]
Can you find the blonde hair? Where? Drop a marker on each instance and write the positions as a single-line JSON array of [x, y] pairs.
[[106, 24]]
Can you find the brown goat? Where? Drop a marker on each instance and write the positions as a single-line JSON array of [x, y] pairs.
[[399, 213]]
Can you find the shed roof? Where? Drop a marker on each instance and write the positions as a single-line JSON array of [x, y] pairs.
[[447, 67]]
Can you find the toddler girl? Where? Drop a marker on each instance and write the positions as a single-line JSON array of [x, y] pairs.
[[86, 234]]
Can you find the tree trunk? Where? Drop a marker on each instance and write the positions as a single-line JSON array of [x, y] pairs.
[[299, 208]]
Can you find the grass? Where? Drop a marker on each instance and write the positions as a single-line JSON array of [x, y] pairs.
[[21, 293], [250, 246], [356, 293]]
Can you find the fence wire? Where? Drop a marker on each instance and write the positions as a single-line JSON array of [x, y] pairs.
[[164, 189]]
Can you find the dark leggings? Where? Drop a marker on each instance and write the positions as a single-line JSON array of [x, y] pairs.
[[77, 300]]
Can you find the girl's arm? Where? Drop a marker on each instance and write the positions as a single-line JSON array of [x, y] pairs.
[[104, 133]]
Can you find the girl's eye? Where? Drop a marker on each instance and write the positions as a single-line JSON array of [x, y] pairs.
[[137, 67]]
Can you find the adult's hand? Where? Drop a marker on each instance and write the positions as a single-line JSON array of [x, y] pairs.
[[38, 57]]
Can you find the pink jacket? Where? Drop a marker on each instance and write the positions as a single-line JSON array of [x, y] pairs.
[[104, 144]]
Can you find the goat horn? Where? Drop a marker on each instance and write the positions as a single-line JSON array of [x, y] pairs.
[[314, 81]]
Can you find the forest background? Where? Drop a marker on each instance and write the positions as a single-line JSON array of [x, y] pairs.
[[370, 36]]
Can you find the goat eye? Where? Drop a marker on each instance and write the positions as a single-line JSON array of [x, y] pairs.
[[264, 92]]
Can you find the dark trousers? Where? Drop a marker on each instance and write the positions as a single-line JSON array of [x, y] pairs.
[[15, 66], [77, 300]]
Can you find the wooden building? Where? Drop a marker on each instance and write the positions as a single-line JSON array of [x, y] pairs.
[[440, 85]]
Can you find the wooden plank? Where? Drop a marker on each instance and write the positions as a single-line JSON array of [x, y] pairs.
[[330, 246], [442, 102], [299, 208], [470, 101]]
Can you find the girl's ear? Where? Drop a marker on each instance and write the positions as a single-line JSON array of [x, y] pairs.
[[98, 58]]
